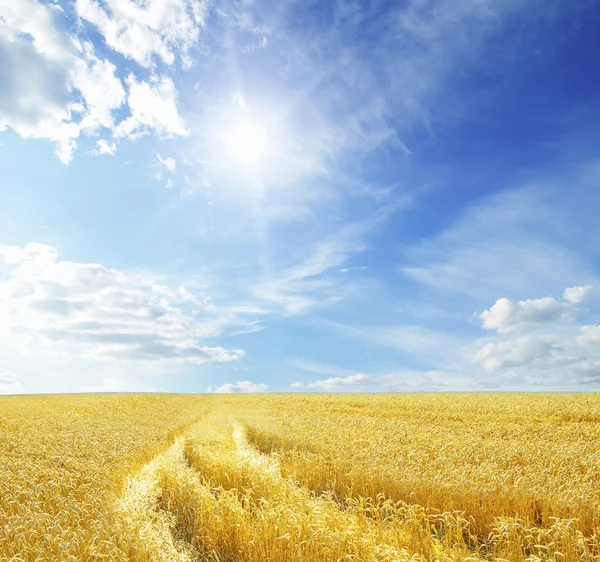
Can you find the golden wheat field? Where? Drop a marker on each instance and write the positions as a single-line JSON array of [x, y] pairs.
[[300, 477]]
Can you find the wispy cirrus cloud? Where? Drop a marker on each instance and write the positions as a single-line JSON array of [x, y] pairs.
[[311, 366], [395, 381], [335, 96], [416, 341], [499, 245], [317, 280], [168, 162], [355, 99], [312, 283]]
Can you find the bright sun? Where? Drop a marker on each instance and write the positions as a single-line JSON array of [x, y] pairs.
[[246, 143]]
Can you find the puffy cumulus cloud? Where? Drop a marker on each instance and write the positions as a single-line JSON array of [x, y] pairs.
[[31, 18], [589, 335], [101, 91], [240, 387], [153, 107], [34, 104], [60, 307], [506, 316], [66, 90], [577, 295], [545, 360], [515, 352], [550, 352], [336, 383], [10, 383], [144, 30]]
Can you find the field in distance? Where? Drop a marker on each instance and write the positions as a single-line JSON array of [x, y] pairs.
[[235, 478]]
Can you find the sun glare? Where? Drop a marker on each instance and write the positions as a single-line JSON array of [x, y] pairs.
[[246, 143]]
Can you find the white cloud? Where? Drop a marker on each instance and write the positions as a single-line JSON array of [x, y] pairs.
[[102, 92], [334, 383], [66, 89], [589, 335], [577, 295], [168, 162], [153, 107], [143, 30], [103, 147], [240, 387], [515, 352], [10, 383], [550, 353], [30, 17], [545, 360], [506, 316], [397, 381], [53, 306], [34, 103]]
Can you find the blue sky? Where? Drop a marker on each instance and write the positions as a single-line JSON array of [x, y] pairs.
[[299, 196]]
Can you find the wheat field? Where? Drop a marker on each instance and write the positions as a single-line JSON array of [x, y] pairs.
[[300, 477]]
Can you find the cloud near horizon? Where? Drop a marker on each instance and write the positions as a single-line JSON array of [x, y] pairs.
[[335, 383], [10, 383], [554, 347], [54, 306], [244, 387]]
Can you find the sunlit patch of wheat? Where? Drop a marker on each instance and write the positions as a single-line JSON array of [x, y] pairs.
[[141, 514]]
